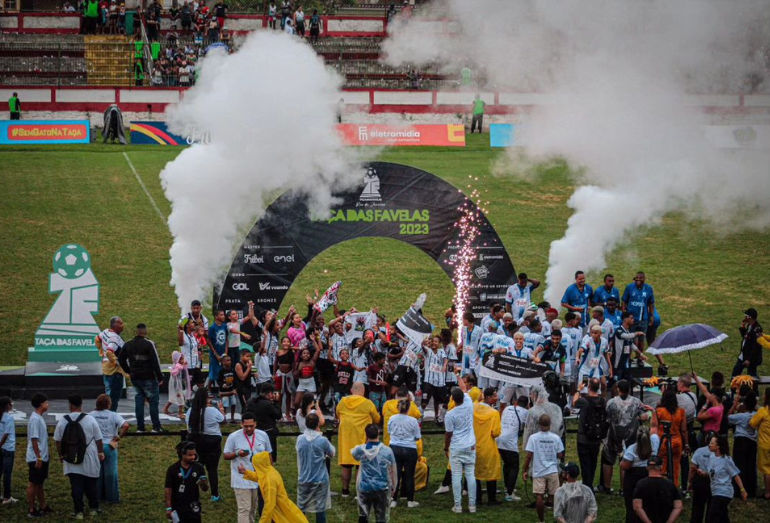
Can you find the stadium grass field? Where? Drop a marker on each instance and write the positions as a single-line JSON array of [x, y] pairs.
[[89, 195]]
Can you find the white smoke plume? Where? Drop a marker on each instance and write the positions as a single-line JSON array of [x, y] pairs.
[[270, 110], [617, 75]]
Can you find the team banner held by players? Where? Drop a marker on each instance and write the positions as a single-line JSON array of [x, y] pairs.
[[29, 132], [452, 135], [518, 371]]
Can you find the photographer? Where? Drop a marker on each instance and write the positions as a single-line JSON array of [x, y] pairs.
[[592, 429]]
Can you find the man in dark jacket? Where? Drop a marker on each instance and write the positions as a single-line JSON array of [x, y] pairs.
[[139, 358], [267, 411], [592, 428], [750, 357]]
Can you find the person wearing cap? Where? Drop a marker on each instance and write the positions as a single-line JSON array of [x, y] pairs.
[[573, 501], [519, 295], [605, 292], [750, 357], [597, 313], [655, 497]]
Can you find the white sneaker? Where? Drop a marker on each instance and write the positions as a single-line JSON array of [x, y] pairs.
[[412, 504], [457, 509], [10, 501], [512, 497], [443, 489], [472, 509], [393, 504]]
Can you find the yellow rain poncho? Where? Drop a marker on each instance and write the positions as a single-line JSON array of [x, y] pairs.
[[354, 413], [475, 394], [486, 426], [278, 507]]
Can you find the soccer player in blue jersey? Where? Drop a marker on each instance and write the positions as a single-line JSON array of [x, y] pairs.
[[577, 297], [603, 293], [639, 300]]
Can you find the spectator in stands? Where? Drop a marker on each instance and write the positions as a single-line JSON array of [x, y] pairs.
[[186, 16], [68, 8], [220, 12], [90, 16], [315, 26], [153, 25], [138, 73], [122, 18], [104, 8], [299, 21], [213, 31], [14, 106], [478, 113], [272, 11]]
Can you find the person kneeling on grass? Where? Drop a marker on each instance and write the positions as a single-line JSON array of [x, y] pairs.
[[183, 481], [545, 450], [278, 507]]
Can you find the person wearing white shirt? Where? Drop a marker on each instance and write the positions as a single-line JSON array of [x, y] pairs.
[[113, 427], [512, 421], [109, 342], [37, 456], [544, 451], [83, 476], [470, 335], [519, 295], [460, 448], [404, 433], [240, 447]]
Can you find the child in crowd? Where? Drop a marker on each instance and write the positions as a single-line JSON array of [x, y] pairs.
[[226, 383], [343, 376], [179, 389]]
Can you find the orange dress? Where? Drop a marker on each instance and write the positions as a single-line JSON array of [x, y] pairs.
[[676, 440]]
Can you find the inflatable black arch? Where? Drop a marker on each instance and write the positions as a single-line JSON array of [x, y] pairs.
[[397, 202]]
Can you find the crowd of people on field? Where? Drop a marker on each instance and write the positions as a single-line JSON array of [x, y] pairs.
[[375, 384]]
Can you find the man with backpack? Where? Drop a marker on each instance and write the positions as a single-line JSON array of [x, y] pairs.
[[592, 429], [79, 444]]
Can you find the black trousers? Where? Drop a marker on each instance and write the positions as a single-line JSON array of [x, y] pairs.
[[491, 492], [406, 461], [633, 476], [209, 450], [84, 485], [510, 469], [745, 457], [718, 510], [701, 495], [588, 454], [477, 119]]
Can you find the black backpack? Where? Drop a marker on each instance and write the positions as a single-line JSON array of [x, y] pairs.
[[73, 441], [597, 426]]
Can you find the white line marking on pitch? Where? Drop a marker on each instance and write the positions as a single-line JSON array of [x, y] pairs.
[[144, 188]]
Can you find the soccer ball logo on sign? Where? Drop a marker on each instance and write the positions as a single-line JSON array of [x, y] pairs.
[[71, 261]]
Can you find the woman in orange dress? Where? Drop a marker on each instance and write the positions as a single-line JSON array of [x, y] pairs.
[[668, 411]]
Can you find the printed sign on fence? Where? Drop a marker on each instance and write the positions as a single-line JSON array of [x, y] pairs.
[[157, 133], [31, 132], [452, 135], [519, 371]]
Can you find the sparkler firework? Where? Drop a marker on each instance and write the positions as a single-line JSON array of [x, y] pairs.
[[468, 226]]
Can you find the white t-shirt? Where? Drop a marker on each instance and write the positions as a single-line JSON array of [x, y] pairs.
[[263, 367], [111, 340], [404, 431], [545, 448], [459, 421], [509, 436], [233, 334], [237, 441], [189, 350], [211, 420], [338, 342], [36, 429], [91, 464], [109, 423]]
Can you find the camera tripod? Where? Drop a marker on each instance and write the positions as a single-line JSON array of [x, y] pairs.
[[666, 439]]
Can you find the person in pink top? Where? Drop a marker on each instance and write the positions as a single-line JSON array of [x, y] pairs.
[[712, 412], [296, 331]]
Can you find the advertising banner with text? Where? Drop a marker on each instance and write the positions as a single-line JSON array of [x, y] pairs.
[[31, 132], [451, 135]]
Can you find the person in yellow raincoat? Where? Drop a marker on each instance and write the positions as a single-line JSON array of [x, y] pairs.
[[469, 382], [487, 427], [278, 507], [354, 412]]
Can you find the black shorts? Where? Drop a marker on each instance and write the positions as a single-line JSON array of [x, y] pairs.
[[405, 376], [37, 476], [651, 334], [433, 391]]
